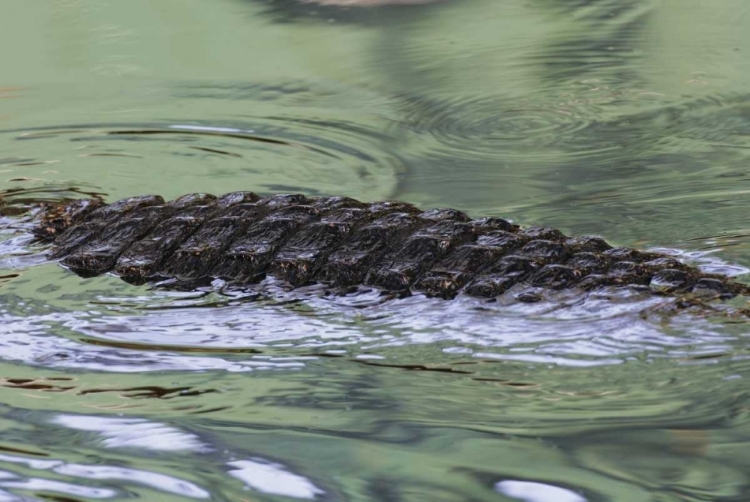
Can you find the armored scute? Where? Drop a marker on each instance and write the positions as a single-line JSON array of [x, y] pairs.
[[340, 242]]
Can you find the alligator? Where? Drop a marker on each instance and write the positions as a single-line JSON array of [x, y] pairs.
[[344, 244]]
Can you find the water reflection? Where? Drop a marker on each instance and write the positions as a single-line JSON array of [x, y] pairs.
[[94, 472], [376, 13], [645, 461], [536, 492], [591, 331], [258, 474], [301, 434], [272, 478], [319, 157], [133, 433]]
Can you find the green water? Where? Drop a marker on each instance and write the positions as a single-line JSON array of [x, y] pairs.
[[624, 118]]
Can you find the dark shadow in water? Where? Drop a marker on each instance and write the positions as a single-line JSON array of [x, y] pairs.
[[237, 135], [601, 48], [593, 10], [173, 347], [295, 11]]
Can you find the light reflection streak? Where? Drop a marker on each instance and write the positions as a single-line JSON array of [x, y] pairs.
[[134, 433], [157, 481], [272, 478]]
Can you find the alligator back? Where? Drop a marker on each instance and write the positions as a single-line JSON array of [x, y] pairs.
[[340, 242]]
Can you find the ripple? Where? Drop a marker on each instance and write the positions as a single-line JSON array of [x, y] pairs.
[[265, 155], [279, 135], [191, 333], [28, 339], [665, 462], [482, 127]]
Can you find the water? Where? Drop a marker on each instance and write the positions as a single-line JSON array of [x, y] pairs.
[[628, 119]]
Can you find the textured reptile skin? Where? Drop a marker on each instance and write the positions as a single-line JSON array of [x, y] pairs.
[[241, 238]]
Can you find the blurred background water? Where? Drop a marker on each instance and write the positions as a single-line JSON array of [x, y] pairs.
[[628, 119]]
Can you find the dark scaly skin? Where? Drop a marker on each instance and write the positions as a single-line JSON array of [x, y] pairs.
[[348, 265], [93, 224], [195, 257], [247, 257], [100, 253], [340, 242], [57, 219], [464, 262], [301, 255], [145, 258]]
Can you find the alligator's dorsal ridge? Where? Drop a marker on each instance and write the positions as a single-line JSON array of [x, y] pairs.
[[241, 238]]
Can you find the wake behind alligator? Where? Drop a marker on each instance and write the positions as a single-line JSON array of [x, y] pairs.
[[242, 238]]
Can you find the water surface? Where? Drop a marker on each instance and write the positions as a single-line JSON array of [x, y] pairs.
[[627, 119]]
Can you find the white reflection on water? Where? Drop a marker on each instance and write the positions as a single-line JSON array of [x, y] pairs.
[[210, 129], [97, 472], [272, 478], [39, 484], [134, 433], [15, 253], [257, 473], [536, 492], [568, 330], [33, 340], [151, 479]]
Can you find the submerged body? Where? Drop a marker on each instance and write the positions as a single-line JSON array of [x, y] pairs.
[[340, 242]]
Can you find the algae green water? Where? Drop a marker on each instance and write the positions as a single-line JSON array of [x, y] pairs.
[[629, 119]]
